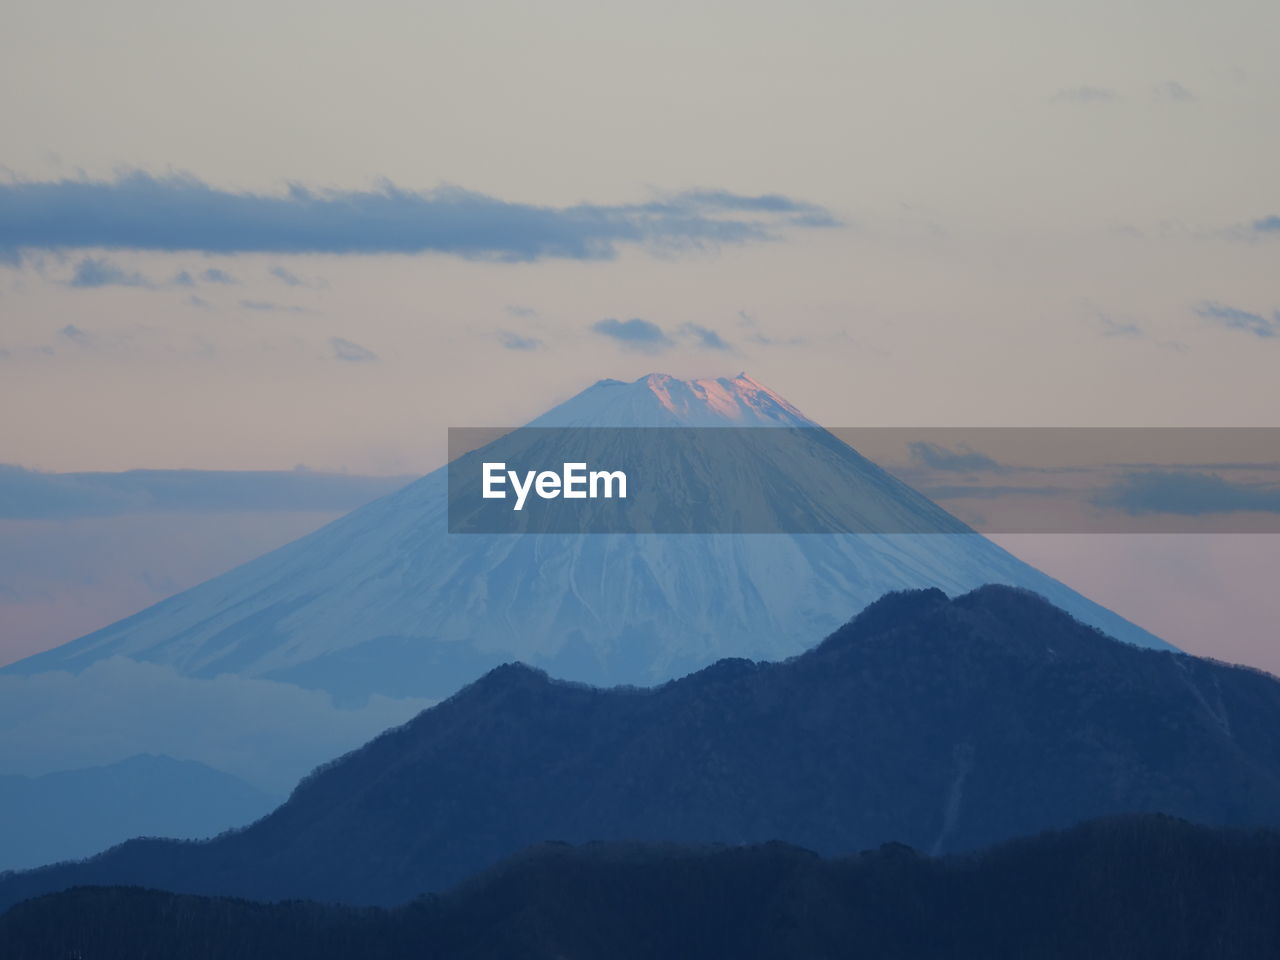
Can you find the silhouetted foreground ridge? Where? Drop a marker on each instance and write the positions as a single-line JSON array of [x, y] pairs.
[[945, 724], [1127, 889]]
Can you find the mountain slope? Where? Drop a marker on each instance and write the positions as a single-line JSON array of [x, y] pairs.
[[1125, 888], [944, 724], [385, 601], [76, 813]]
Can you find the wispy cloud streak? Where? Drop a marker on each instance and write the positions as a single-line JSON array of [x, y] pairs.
[[140, 211], [1234, 318]]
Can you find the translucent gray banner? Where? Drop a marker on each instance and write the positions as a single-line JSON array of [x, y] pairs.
[[801, 480]]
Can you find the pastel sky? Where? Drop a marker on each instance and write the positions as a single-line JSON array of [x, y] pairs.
[[253, 235]]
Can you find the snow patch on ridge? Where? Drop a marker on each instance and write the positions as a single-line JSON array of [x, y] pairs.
[[661, 400]]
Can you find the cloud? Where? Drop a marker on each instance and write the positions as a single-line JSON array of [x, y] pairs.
[[267, 306], [1267, 225], [268, 733], [724, 200], [291, 279], [705, 337], [515, 341], [1172, 91], [963, 459], [76, 335], [512, 340], [1122, 329], [1187, 494], [1085, 95], [93, 272], [987, 492], [1111, 327], [799, 213], [33, 495], [14, 353], [762, 339], [182, 213], [1235, 319], [634, 334], [351, 352], [86, 339]]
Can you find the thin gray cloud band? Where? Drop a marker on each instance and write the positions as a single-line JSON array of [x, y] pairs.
[[139, 211]]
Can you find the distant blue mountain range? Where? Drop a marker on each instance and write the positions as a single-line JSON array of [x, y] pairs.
[[31, 494], [76, 813]]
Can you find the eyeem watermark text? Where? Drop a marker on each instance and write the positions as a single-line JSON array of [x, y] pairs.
[[574, 482]]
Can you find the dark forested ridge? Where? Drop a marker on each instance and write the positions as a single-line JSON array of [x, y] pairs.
[[1125, 889], [945, 724]]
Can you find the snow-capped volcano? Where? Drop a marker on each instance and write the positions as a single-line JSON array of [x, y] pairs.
[[385, 600], [659, 400]]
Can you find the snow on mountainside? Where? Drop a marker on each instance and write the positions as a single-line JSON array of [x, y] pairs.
[[384, 600], [664, 401]]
